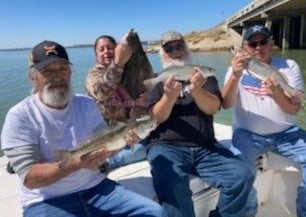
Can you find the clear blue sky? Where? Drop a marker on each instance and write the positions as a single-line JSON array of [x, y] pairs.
[[24, 23]]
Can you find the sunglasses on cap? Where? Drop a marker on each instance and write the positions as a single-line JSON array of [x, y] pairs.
[[171, 48], [258, 43]]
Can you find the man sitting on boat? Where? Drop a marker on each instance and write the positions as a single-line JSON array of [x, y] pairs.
[[54, 118], [264, 113], [184, 143]]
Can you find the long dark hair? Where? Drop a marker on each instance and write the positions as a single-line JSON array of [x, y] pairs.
[[106, 37]]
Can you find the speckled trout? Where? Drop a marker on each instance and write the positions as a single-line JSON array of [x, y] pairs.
[[262, 70], [111, 138], [180, 73]]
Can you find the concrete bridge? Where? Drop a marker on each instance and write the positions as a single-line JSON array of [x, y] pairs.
[[285, 18]]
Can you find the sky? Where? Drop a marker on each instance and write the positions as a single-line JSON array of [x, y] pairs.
[[25, 23]]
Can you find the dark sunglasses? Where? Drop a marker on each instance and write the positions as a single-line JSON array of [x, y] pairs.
[[258, 43], [171, 48]]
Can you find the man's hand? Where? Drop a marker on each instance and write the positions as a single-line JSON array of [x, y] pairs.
[[132, 137], [238, 62], [272, 87], [197, 80], [93, 159], [172, 88]]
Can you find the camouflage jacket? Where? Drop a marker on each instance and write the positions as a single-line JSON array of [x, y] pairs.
[[103, 84]]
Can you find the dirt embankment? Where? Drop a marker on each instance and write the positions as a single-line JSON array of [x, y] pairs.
[[217, 38]]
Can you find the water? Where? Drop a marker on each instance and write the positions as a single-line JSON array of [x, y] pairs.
[[14, 85]]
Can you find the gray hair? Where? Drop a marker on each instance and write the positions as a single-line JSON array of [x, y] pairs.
[[32, 73]]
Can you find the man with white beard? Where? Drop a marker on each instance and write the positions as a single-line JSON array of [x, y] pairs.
[[184, 142], [54, 118]]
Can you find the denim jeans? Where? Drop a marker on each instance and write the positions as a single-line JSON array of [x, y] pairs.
[[127, 155], [290, 143], [171, 165], [104, 200]]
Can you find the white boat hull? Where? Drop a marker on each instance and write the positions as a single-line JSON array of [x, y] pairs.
[[276, 184]]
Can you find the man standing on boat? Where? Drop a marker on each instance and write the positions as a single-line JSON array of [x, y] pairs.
[[264, 115], [51, 119], [184, 143]]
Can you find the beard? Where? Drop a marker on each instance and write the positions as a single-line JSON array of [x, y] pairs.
[[175, 62], [56, 96]]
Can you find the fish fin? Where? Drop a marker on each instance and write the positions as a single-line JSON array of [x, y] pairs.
[[114, 127], [125, 37]]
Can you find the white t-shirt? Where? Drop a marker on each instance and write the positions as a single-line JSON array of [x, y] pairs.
[[257, 112], [31, 122]]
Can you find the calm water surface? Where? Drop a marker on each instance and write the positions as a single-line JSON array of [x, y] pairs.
[[14, 84]]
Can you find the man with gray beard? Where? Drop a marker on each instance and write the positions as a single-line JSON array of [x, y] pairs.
[[56, 96], [184, 143], [54, 118]]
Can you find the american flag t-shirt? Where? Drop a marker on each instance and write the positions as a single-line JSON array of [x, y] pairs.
[[254, 85]]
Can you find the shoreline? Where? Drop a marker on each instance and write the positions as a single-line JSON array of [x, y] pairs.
[[156, 49]]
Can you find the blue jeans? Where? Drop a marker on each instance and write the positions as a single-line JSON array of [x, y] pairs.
[[127, 155], [104, 200], [171, 165], [290, 143]]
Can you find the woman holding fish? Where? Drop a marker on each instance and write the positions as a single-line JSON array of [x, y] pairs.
[[103, 80], [104, 85], [266, 93]]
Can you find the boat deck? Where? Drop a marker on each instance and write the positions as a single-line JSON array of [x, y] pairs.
[[276, 185]]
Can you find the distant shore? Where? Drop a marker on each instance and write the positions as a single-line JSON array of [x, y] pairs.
[[214, 39], [156, 48]]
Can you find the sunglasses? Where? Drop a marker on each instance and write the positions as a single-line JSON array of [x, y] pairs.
[[258, 43], [171, 48]]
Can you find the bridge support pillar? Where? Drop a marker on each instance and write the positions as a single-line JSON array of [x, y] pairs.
[[285, 36], [303, 31], [268, 23]]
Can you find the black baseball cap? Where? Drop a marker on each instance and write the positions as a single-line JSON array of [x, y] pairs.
[[256, 29], [47, 52]]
